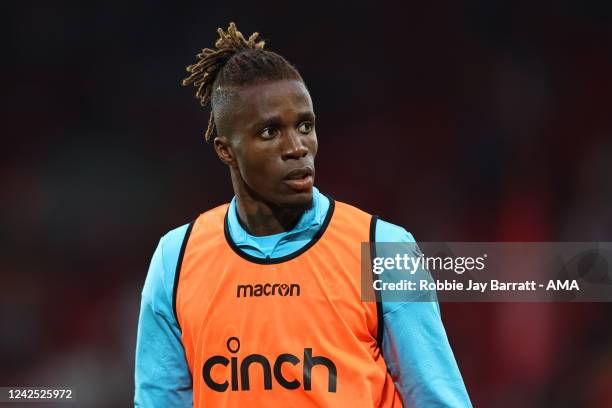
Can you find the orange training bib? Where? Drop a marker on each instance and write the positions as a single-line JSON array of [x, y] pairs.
[[281, 332]]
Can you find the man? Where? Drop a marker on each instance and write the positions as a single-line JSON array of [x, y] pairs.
[[257, 302]]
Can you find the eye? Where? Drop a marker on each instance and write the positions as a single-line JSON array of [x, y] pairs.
[[269, 132], [305, 127]]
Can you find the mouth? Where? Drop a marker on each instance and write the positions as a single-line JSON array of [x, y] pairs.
[[300, 179]]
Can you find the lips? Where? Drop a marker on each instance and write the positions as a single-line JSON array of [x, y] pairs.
[[300, 179], [300, 173]]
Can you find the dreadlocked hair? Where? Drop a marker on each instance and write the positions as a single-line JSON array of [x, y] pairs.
[[234, 62]]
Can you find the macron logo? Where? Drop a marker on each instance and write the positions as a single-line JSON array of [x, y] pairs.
[[268, 289]]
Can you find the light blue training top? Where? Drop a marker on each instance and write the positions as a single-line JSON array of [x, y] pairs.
[[415, 346]]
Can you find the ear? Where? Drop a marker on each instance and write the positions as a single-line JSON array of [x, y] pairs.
[[224, 151]]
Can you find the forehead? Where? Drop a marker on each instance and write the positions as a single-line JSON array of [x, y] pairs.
[[271, 99]]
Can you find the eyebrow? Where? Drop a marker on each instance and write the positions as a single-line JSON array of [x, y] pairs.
[[302, 116]]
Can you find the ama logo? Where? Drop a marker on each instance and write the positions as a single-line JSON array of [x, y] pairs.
[[239, 379]]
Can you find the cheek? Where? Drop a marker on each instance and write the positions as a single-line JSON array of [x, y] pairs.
[[314, 144], [256, 167]]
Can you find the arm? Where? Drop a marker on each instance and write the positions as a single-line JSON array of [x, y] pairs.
[[162, 377], [416, 348]]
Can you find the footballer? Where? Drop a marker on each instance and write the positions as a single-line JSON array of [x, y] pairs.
[[257, 302]]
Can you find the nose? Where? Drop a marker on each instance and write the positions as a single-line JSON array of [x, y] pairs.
[[293, 146]]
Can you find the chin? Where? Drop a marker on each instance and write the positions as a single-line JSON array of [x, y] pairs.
[[302, 200]]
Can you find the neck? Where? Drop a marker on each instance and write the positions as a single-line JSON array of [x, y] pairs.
[[260, 217]]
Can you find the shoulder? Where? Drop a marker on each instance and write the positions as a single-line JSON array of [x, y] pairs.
[[388, 232], [170, 244], [349, 213], [172, 241], [159, 283], [385, 231]]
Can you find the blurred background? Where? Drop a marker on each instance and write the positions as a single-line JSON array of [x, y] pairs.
[[461, 121]]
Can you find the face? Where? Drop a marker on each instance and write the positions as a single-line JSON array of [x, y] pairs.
[[269, 141]]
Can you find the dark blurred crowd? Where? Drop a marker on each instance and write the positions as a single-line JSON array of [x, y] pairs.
[[479, 121]]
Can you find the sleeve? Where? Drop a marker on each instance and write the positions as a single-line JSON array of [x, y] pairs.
[[416, 348], [162, 376]]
